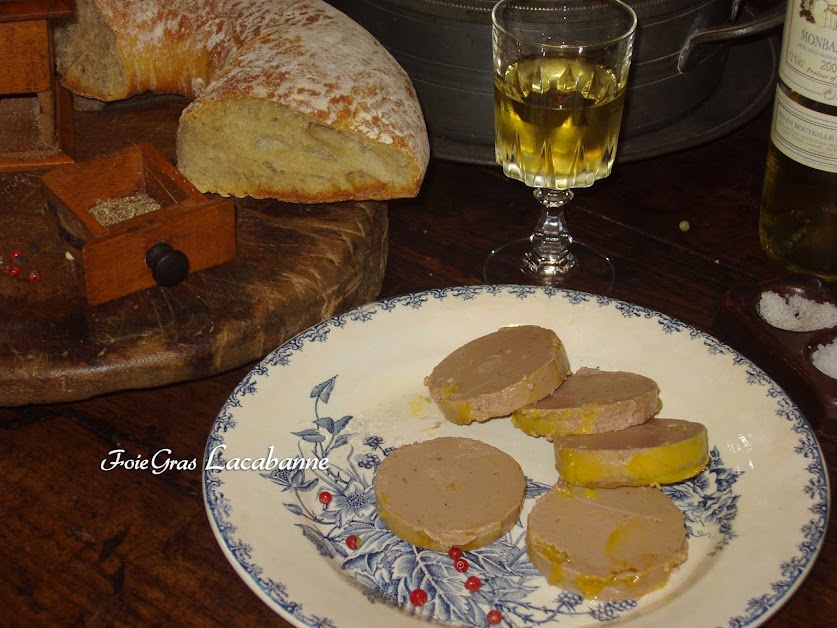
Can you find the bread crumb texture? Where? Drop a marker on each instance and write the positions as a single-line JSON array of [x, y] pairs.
[[292, 99]]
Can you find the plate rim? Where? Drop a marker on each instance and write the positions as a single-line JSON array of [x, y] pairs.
[[756, 611]]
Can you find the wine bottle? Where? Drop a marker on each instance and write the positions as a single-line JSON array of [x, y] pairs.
[[798, 218]]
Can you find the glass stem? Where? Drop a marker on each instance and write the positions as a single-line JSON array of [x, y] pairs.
[[551, 239]]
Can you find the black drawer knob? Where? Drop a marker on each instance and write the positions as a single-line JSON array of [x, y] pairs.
[[168, 265]]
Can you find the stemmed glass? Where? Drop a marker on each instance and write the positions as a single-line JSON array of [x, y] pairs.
[[560, 70]]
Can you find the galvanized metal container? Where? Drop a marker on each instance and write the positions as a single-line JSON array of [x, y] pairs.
[[445, 46]]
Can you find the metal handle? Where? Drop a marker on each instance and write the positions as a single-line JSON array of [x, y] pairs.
[[715, 34], [168, 265]]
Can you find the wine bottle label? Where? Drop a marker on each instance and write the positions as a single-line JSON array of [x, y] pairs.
[[809, 49], [806, 136]]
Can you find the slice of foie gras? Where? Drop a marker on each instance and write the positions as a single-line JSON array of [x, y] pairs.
[[589, 402], [494, 375], [606, 544], [659, 451], [449, 492]]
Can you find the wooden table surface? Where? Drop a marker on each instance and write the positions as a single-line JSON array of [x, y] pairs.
[[294, 264], [87, 547]]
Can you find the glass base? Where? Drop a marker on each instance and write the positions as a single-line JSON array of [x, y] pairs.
[[591, 271]]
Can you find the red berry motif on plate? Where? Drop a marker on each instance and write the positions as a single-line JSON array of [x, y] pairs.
[[34, 276], [494, 617], [461, 565], [17, 253], [325, 498], [353, 542], [473, 584], [418, 597], [13, 270], [455, 553]]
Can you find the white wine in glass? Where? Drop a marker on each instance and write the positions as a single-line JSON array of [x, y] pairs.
[[560, 71]]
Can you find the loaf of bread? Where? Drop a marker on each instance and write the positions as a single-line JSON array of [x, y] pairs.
[[291, 98]]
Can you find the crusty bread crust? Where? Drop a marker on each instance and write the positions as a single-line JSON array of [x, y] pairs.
[[292, 99]]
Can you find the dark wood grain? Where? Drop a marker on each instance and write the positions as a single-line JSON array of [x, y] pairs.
[[35, 110], [25, 47], [293, 266], [94, 548], [24, 10]]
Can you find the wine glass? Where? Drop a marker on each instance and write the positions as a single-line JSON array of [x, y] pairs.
[[560, 70]]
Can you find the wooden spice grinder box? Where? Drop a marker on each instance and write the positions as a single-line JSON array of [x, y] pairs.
[[36, 112], [123, 249]]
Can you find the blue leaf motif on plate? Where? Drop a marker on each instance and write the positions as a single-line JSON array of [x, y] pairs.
[[708, 501], [670, 325], [322, 392], [521, 292], [310, 435], [535, 489], [376, 574], [815, 485], [389, 568], [466, 293], [629, 310], [577, 297]]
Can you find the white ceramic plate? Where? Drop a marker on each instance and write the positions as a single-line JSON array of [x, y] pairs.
[[351, 388]]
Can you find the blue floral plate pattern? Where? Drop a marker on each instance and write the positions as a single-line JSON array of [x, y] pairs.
[[350, 390]]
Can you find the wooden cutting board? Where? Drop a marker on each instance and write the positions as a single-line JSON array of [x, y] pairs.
[[296, 265]]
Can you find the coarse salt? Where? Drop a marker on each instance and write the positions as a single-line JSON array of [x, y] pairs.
[[824, 357], [796, 313]]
